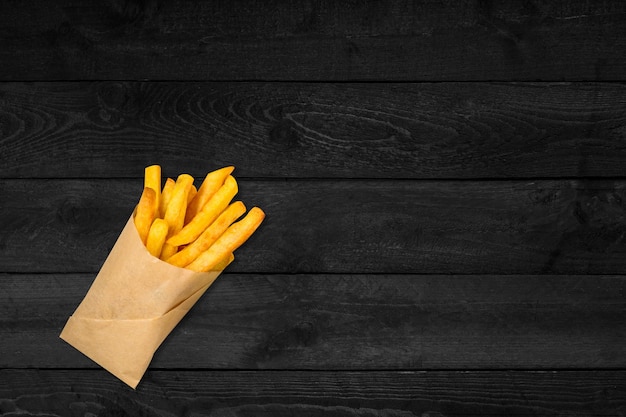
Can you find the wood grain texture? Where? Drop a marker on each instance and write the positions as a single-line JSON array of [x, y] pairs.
[[337, 394], [335, 322], [343, 40], [350, 226], [309, 130], [444, 184]]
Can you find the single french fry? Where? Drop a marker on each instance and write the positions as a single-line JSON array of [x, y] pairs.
[[156, 237], [175, 211], [209, 236], [166, 194], [212, 182], [192, 193], [229, 241], [168, 251], [207, 215], [152, 179], [145, 213], [227, 260], [177, 206]]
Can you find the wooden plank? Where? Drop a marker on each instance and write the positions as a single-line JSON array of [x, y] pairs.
[[343, 40], [352, 226], [326, 322], [441, 130], [169, 393]]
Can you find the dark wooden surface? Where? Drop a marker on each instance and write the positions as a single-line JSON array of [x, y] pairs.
[[444, 183], [352, 321], [345, 225], [313, 40], [312, 393], [315, 130]]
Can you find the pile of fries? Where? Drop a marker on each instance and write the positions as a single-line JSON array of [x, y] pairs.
[[194, 228]]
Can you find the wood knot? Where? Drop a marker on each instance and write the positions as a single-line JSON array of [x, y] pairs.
[[135, 12], [74, 214], [116, 102], [597, 221], [116, 96], [284, 135], [302, 334]]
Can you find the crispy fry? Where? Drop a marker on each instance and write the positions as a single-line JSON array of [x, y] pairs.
[[152, 179], [207, 215], [192, 193], [156, 237], [167, 251], [230, 240], [166, 194], [177, 206], [145, 213], [209, 236], [212, 182], [227, 260], [175, 211]]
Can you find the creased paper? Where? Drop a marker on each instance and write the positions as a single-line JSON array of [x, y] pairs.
[[135, 301]]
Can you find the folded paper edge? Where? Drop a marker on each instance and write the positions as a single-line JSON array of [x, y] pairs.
[[102, 338], [127, 358], [90, 335]]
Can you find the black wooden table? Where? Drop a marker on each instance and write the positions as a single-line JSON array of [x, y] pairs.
[[444, 183]]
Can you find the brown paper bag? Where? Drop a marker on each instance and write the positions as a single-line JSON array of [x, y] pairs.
[[135, 301]]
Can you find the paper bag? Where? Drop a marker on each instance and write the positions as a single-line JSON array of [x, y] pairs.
[[135, 301]]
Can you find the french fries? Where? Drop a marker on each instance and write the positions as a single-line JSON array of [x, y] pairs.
[[146, 212], [203, 219], [156, 237], [192, 193], [220, 266], [166, 194], [194, 228], [212, 182], [152, 179], [230, 240], [209, 236], [177, 205]]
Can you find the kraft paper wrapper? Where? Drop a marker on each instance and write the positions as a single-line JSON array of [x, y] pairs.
[[135, 301]]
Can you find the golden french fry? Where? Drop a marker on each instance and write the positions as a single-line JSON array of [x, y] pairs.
[[212, 182], [209, 236], [194, 228], [156, 237], [177, 206], [152, 179], [192, 193], [166, 194], [231, 239], [207, 215], [145, 213], [175, 211], [168, 251], [227, 260]]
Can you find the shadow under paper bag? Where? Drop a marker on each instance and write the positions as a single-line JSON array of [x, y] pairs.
[[135, 301]]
